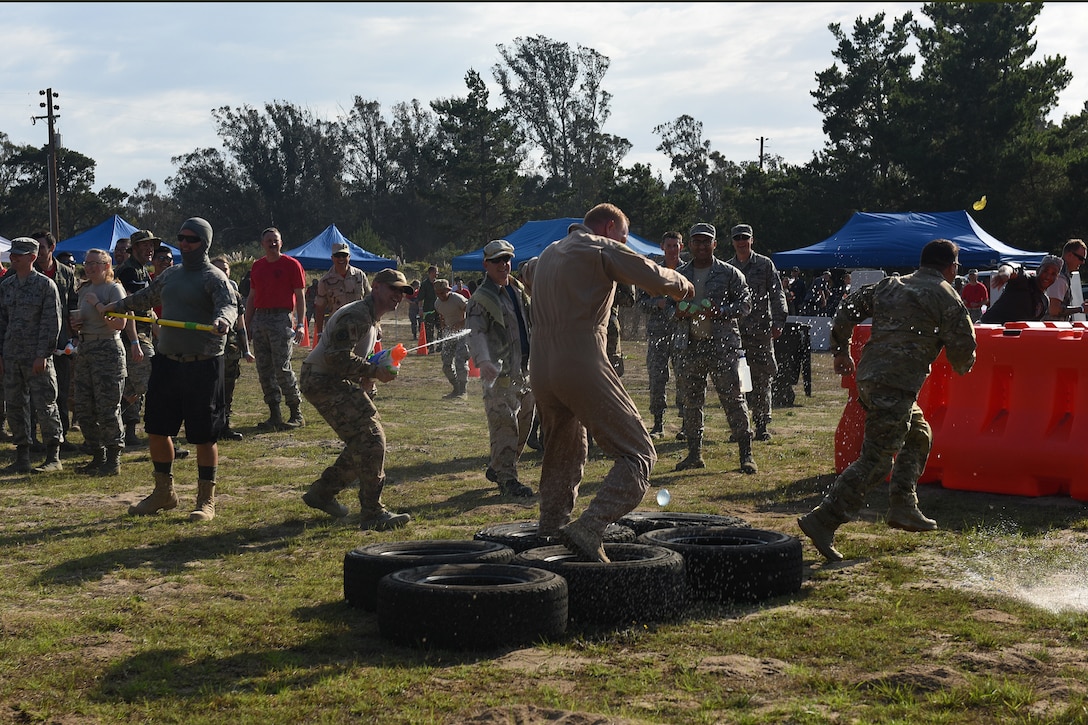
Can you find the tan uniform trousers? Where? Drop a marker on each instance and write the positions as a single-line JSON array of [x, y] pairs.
[[579, 393]]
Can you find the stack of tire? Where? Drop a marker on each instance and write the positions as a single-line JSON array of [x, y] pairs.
[[509, 586]]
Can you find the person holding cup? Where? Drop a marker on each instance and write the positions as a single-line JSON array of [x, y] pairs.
[[100, 365]]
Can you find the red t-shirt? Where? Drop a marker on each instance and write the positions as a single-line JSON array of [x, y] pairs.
[[974, 295], [273, 284]]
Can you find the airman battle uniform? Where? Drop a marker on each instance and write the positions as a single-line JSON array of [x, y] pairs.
[[710, 346], [769, 309], [29, 324]]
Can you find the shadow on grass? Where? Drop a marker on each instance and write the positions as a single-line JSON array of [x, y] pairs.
[[350, 640], [172, 556]]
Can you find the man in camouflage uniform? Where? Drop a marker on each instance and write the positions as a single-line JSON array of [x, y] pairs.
[[450, 307], [64, 277], [334, 379], [762, 326], [135, 277], [236, 350], [914, 318], [186, 383], [339, 286], [660, 325], [707, 343], [498, 316], [29, 324]]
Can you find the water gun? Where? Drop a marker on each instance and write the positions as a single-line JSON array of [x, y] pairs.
[[696, 308], [389, 359]]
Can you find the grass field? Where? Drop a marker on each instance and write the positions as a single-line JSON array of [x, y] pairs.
[[105, 618]]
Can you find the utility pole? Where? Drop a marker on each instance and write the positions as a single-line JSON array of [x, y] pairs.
[[761, 139], [54, 212]]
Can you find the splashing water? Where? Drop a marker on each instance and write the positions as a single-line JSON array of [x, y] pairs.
[[1047, 573]]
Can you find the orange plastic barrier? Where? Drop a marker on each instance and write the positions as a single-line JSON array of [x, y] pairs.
[[1011, 425], [473, 371]]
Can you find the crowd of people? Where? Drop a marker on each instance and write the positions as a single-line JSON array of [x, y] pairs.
[[163, 344]]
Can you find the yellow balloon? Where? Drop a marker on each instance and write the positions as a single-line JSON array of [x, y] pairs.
[[980, 204]]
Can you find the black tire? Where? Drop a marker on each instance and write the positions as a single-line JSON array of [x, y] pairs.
[[727, 564], [643, 521], [471, 606], [366, 565], [642, 584], [522, 535]]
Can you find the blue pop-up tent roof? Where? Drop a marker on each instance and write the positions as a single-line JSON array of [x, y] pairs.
[[530, 240], [103, 236], [895, 240], [317, 253]]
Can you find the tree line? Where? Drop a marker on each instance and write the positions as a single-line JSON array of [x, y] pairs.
[[917, 116]]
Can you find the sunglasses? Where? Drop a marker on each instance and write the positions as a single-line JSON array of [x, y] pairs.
[[741, 238], [190, 238], [1081, 257], [342, 254]]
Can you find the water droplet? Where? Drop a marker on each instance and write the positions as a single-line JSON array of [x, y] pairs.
[[663, 497]]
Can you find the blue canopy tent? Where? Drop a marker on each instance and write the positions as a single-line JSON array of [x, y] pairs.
[[317, 253], [103, 236], [530, 240], [895, 240]]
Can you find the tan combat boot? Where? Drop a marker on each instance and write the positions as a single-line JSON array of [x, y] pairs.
[[820, 525], [903, 514], [162, 498], [205, 501], [374, 516]]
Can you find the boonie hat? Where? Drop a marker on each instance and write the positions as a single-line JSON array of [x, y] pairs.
[[741, 230], [395, 279], [341, 247], [442, 285], [498, 248], [23, 245], [704, 228], [141, 235]]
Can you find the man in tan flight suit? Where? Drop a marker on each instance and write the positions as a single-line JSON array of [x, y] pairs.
[[576, 387]]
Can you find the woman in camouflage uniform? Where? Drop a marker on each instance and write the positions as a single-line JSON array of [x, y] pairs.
[[100, 366]]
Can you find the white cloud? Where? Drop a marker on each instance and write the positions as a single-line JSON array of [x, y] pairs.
[[138, 81]]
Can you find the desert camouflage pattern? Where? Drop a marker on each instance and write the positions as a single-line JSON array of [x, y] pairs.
[[335, 291]]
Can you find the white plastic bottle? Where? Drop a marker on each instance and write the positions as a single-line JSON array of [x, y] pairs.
[[745, 373]]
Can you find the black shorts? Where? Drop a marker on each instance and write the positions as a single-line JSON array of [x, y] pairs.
[[185, 392]]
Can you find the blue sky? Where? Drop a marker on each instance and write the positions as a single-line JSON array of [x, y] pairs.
[[136, 82]]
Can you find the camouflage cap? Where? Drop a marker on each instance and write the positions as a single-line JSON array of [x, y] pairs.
[[23, 245], [704, 229]]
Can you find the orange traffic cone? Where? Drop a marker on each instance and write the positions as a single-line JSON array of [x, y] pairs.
[[422, 340], [305, 334], [377, 346], [473, 371]]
